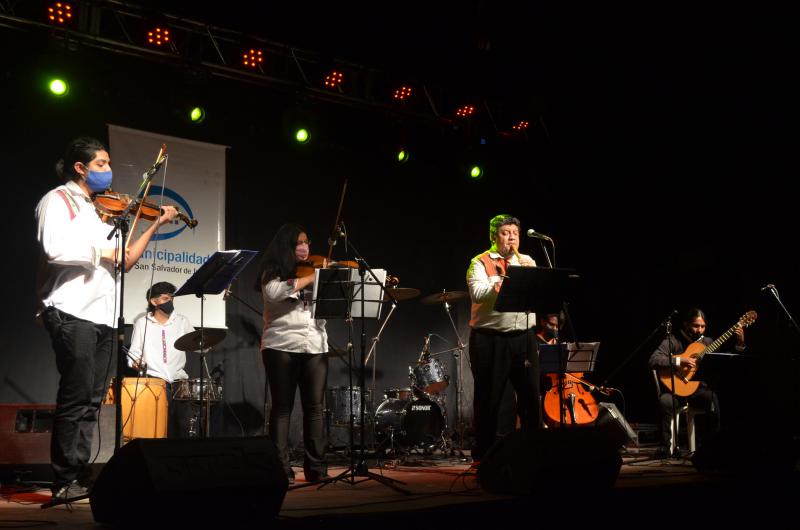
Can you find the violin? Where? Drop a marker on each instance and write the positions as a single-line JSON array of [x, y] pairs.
[[112, 204], [580, 407], [307, 267]]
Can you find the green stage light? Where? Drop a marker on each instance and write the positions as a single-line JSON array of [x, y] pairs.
[[58, 87], [197, 114], [403, 155], [476, 172], [301, 135]]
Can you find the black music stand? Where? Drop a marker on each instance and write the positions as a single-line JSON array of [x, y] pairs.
[[540, 290], [213, 277]]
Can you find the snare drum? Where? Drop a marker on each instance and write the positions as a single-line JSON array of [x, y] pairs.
[[398, 393], [189, 390], [408, 423], [429, 376], [144, 408], [339, 405]]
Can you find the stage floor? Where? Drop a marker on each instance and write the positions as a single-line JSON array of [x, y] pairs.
[[444, 493]]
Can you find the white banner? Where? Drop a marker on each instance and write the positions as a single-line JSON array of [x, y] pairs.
[[192, 179]]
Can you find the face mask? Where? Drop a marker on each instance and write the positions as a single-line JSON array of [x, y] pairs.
[[301, 252], [166, 307], [98, 181], [550, 333]]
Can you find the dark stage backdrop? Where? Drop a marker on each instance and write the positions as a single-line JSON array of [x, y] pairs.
[[663, 191]]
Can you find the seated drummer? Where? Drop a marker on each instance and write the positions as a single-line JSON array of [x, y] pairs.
[[153, 354]]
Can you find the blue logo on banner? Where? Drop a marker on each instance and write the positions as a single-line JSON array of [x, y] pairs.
[[155, 195]]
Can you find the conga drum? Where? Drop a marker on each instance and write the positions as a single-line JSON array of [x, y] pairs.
[[144, 408]]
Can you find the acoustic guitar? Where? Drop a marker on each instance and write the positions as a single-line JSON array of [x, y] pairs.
[[684, 386]]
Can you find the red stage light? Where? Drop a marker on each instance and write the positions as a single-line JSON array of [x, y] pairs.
[[402, 93], [334, 79], [59, 13], [252, 58], [158, 36], [465, 111]]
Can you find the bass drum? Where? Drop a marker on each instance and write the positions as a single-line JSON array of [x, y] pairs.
[[408, 423]]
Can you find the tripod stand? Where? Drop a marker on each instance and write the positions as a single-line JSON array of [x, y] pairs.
[[358, 465]]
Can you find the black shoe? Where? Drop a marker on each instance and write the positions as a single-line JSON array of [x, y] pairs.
[[290, 476], [70, 492], [316, 476]]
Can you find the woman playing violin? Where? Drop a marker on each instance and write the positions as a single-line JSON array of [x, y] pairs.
[[77, 288], [292, 345]]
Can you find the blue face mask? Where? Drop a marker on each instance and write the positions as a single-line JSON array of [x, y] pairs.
[[99, 181]]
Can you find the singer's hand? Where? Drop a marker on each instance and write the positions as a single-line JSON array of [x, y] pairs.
[[169, 214], [526, 261]]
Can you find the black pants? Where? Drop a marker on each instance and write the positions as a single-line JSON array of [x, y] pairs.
[[704, 398], [83, 359], [495, 359], [179, 414], [286, 371]]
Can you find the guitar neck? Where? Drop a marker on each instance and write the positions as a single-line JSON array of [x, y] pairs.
[[711, 348]]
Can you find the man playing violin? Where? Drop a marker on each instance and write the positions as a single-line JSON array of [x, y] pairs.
[[502, 346], [292, 347], [77, 287], [692, 329]]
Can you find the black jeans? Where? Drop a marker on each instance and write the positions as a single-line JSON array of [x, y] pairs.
[[497, 358], [285, 372], [179, 414], [83, 359]]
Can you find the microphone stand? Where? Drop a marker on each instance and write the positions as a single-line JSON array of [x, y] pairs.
[[674, 439], [121, 232], [774, 292]]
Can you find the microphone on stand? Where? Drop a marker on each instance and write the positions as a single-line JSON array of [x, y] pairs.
[[768, 287], [335, 235], [533, 233], [154, 168], [426, 348]]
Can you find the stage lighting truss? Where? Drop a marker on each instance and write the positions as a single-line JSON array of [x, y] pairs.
[[128, 29], [59, 13]]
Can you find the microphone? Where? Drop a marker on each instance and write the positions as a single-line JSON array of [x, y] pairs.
[[426, 348], [335, 235], [533, 233], [768, 287], [155, 167]]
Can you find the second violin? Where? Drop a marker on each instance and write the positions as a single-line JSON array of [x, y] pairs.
[[307, 267]]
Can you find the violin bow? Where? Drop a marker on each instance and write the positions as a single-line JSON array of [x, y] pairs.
[[161, 153], [332, 242]]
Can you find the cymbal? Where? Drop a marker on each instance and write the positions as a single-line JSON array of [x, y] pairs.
[[401, 293], [444, 296], [191, 341]]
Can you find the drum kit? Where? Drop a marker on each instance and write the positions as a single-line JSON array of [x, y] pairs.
[[412, 418]]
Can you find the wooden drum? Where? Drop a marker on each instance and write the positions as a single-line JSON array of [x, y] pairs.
[[144, 407]]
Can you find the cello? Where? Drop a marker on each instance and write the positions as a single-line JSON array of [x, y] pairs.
[[579, 405]]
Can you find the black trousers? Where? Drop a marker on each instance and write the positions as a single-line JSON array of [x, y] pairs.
[[704, 398], [496, 359], [83, 358], [285, 372], [179, 415]]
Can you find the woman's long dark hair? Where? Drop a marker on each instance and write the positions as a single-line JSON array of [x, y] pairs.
[[278, 260]]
